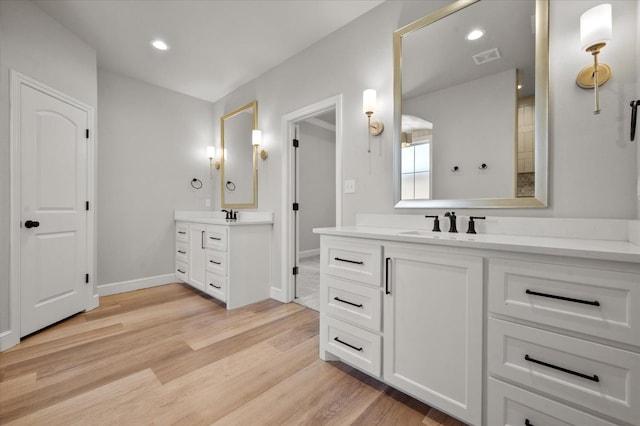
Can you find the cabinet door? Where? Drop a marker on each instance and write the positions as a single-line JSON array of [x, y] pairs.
[[433, 328], [197, 255]]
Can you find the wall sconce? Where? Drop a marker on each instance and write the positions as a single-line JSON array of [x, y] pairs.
[[369, 107], [211, 154], [256, 141], [595, 31]]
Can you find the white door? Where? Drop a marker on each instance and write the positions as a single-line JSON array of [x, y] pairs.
[[54, 251]]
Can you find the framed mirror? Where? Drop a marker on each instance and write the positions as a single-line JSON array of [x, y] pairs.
[[239, 168], [471, 110]]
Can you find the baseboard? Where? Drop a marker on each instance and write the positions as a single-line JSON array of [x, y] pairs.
[[124, 286], [8, 339], [278, 294], [308, 253]]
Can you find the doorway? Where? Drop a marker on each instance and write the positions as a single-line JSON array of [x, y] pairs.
[[312, 198], [52, 208]]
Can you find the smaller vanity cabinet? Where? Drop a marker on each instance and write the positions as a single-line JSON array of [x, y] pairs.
[[568, 330], [231, 263]]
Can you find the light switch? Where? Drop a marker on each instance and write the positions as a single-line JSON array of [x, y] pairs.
[[349, 186]]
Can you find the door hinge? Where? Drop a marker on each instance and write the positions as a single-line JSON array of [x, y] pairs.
[[87, 133], [87, 206], [296, 143], [86, 278], [295, 270], [296, 207]]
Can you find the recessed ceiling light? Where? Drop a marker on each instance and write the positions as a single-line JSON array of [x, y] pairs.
[[474, 35], [159, 44]]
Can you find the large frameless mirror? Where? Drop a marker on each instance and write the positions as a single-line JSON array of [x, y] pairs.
[[239, 177], [471, 109]]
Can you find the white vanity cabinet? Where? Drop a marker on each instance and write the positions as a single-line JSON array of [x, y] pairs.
[[433, 328], [408, 315], [229, 261]]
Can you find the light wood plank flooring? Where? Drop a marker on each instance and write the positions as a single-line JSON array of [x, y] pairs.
[[170, 355]]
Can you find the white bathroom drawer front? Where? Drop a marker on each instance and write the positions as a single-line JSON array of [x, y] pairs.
[[598, 302], [361, 305], [182, 232], [354, 345], [509, 405], [216, 286], [599, 377], [182, 252], [217, 262], [182, 271], [354, 260], [217, 237]]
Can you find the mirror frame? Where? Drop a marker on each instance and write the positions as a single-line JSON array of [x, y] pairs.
[[254, 204], [541, 115]]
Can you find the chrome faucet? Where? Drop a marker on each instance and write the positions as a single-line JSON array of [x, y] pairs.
[[452, 221]]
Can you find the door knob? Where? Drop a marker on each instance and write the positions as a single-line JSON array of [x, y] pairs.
[[31, 224]]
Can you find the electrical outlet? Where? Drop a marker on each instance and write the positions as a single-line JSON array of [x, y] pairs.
[[349, 186], [207, 203]]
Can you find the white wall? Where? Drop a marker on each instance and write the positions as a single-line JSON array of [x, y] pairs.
[[152, 143], [35, 45], [637, 139], [473, 123], [317, 171]]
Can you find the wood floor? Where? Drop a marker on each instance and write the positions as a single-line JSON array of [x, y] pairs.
[[170, 355]]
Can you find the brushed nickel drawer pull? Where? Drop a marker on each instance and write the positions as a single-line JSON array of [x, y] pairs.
[[346, 344], [357, 262], [215, 263], [182, 252], [181, 271], [593, 378], [348, 303], [215, 286], [568, 299]]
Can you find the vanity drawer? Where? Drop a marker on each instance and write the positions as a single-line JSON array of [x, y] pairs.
[[510, 405], [216, 286], [217, 237], [182, 253], [597, 302], [355, 260], [599, 377], [217, 262], [354, 345], [351, 302], [182, 232], [182, 271]]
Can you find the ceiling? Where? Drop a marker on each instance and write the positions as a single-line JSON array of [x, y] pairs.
[[215, 46]]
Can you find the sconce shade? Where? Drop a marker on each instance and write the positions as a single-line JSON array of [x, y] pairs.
[[256, 137], [369, 101], [596, 26], [211, 152]]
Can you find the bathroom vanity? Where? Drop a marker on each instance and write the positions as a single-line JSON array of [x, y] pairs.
[[229, 260], [492, 328]]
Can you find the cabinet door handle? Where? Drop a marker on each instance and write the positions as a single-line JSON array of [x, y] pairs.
[[182, 252], [215, 238], [203, 240], [347, 302], [357, 262], [346, 344], [215, 286], [568, 299], [528, 423], [215, 263], [593, 378], [387, 262], [181, 271]]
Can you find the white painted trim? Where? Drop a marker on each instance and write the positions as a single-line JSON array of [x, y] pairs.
[[137, 284], [309, 253], [11, 337], [288, 121], [278, 294], [320, 123]]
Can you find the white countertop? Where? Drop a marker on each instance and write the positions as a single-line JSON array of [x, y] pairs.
[[622, 251], [218, 218]]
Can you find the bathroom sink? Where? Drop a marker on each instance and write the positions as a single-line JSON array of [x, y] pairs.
[[423, 234], [442, 236]]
